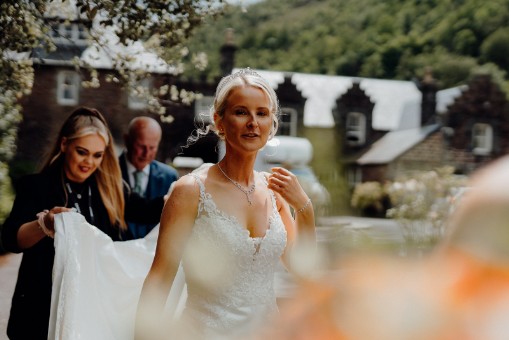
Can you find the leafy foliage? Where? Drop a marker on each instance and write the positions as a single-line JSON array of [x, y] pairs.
[[391, 39], [421, 203], [367, 195]]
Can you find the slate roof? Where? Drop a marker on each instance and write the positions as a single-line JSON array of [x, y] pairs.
[[447, 96], [394, 144], [104, 57], [397, 102], [140, 57]]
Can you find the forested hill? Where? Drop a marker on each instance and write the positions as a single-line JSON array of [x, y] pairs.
[[391, 39]]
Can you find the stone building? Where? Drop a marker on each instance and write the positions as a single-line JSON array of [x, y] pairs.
[[467, 131]]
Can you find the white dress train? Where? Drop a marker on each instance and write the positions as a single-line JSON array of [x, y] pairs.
[[97, 282]]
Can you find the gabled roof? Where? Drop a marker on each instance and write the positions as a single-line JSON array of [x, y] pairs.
[[397, 102], [63, 9], [135, 52], [447, 96], [394, 144], [105, 55], [391, 97]]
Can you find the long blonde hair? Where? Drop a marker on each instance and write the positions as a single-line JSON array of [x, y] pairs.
[[84, 122]]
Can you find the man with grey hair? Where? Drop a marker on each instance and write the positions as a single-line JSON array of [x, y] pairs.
[[145, 175]]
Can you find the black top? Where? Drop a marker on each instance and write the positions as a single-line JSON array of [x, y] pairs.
[[31, 301]]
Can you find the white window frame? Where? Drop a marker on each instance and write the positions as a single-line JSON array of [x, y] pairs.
[[202, 107], [68, 85], [354, 176], [482, 139], [134, 101], [70, 33], [66, 31], [291, 125], [355, 127]]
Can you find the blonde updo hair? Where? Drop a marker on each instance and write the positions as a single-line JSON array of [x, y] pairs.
[[243, 77]]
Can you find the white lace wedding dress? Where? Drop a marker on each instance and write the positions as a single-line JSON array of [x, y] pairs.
[[229, 277], [235, 297]]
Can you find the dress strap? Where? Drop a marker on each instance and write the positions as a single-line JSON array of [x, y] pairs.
[[202, 191], [272, 195]]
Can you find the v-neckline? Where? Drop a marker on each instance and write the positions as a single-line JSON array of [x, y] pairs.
[[234, 220]]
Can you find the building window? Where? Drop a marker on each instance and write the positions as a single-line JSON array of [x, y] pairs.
[[69, 33], [137, 99], [68, 84], [54, 31], [288, 122], [482, 139], [66, 31], [355, 128], [202, 109], [354, 176], [82, 32]]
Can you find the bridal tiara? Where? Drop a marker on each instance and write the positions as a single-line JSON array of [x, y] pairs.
[[242, 72]]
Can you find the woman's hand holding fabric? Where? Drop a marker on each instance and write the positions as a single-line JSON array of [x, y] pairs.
[[47, 219]]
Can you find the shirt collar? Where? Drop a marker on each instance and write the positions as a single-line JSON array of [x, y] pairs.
[[131, 169]]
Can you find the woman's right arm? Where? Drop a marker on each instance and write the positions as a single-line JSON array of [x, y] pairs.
[[21, 229], [32, 232], [177, 221]]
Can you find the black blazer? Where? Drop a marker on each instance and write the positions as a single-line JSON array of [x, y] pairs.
[[31, 301]]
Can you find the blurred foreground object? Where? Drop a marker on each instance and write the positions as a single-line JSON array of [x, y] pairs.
[[461, 291]]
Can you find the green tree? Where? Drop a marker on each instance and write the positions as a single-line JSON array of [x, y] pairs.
[[389, 39], [495, 48], [497, 75], [465, 42]]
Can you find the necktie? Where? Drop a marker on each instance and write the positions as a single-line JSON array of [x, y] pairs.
[[138, 177]]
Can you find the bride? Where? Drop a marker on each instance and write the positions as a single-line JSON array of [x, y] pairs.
[[223, 231], [229, 224]]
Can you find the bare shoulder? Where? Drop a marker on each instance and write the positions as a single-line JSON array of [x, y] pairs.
[[182, 204], [188, 187], [185, 186]]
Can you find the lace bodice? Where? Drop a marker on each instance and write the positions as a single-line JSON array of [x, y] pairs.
[[230, 275]]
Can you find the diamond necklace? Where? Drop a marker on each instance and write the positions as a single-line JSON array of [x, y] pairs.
[[241, 188]]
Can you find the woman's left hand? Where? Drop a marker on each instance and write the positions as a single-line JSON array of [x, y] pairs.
[[287, 185]]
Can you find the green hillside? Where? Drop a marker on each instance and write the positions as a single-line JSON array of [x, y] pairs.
[[391, 39]]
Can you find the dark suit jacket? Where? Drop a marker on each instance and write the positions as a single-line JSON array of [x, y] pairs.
[[31, 301], [160, 178]]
